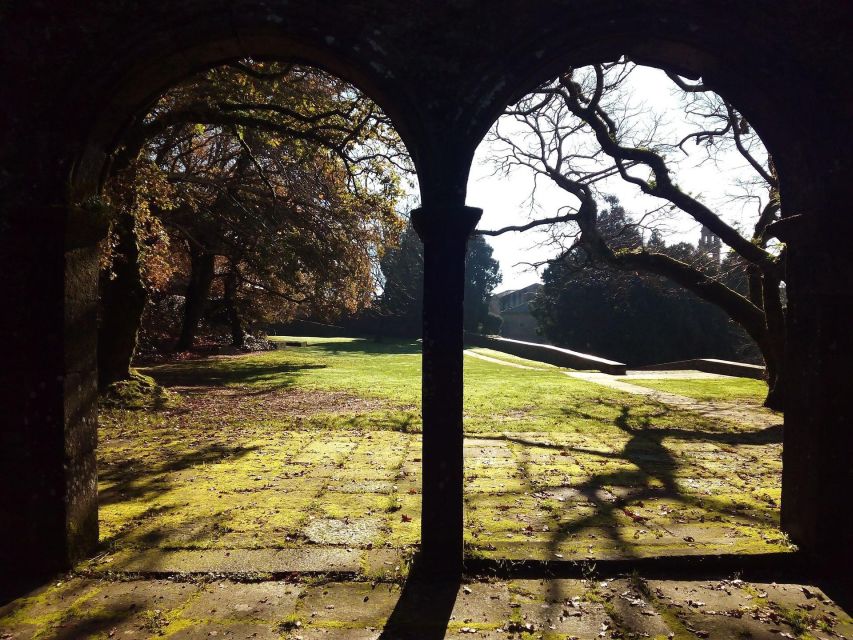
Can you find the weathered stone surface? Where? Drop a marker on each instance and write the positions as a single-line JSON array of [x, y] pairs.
[[632, 611], [268, 601], [480, 609], [355, 604], [227, 630], [354, 532], [309, 559], [735, 609], [482, 603], [561, 606]]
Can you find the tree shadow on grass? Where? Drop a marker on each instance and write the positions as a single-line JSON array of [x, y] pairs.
[[211, 372], [370, 346]]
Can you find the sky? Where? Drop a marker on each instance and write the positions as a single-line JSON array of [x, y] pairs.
[[505, 199]]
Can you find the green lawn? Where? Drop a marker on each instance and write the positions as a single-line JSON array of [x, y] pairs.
[[321, 445], [506, 357], [723, 389]]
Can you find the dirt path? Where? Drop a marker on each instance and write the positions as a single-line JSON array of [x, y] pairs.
[[716, 409]]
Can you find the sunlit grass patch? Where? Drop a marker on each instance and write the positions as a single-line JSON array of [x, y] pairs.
[[709, 389]]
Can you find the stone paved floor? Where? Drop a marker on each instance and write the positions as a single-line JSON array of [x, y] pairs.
[[347, 500], [78, 608], [534, 495], [197, 520]]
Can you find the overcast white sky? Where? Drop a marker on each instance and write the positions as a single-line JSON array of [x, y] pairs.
[[503, 199]]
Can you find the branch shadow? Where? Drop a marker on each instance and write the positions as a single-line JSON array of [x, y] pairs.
[[644, 449], [655, 476], [130, 482]]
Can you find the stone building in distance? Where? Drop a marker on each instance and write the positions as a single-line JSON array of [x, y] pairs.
[[513, 307]]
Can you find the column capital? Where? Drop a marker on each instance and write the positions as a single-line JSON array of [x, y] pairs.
[[445, 223]]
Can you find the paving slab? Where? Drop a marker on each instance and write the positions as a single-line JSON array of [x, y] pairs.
[[350, 531], [547, 608], [310, 559], [635, 612], [351, 603], [560, 606], [263, 601], [227, 630], [482, 603], [736, 609]]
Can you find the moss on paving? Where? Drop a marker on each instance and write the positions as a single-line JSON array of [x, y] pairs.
[[551, 608], [262, 447]]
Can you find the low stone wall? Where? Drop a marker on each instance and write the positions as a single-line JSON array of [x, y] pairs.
[[546, 353], [710, 365]]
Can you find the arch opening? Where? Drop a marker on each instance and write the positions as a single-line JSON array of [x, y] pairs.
[[255, 198], [654, 216]]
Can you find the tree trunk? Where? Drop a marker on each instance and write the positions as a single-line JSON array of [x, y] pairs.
[[775, 314], [775, 387], [198, 292], [123, 299], [764, 322], [238, 333]]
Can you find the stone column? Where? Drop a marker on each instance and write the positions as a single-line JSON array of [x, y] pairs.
[[48, 501], [817, 472], [445, 233]]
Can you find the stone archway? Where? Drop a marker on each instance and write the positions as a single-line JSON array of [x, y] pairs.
[[443, 71], [808, 224]]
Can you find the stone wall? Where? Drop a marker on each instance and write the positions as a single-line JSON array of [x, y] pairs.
[[710, 365], [546, 353]]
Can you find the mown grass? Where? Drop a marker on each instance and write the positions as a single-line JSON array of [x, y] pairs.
[[722, 389], [390, 371]]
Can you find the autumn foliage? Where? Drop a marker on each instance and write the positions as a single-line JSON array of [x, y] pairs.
[[257, 192]]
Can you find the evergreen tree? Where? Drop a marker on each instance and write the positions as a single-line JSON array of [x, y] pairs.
[[401, 303], [629, 316]]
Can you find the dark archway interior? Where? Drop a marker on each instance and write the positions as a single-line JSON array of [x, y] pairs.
[[76, 74]]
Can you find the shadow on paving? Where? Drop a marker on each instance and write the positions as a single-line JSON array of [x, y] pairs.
[[131, 481], [506, 605], [655, 465], [424, 608]]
